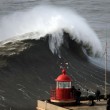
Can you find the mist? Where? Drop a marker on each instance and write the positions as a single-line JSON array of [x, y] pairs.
[[47, 19]]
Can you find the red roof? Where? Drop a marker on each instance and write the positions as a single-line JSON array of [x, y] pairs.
[[63, 77]]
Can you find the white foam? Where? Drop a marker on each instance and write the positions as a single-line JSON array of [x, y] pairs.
[[49, 20]]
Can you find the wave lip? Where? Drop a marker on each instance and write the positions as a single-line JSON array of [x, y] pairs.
[[50, 20]]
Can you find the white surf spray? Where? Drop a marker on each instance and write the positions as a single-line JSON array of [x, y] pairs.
[[43, 20]]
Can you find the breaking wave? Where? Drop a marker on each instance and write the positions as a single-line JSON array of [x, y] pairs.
[[32, 71], [53, 21]]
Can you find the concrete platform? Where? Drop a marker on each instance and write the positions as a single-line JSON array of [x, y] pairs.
[[100, 105], [44, 105]]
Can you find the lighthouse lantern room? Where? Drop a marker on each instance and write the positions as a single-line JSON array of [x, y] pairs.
[[63, 91]]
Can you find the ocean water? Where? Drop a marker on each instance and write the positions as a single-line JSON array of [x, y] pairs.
[[96, 13], [29, 63]]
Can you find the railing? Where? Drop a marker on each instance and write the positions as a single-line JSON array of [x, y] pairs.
[[53, 94]]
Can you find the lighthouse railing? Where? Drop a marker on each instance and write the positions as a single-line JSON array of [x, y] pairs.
[[53, 92], [64, 93]]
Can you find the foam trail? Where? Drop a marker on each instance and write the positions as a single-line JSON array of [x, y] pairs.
[[48, 20]]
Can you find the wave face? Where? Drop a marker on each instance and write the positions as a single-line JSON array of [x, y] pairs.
[[28, 66], [43, 20], [27, 75]]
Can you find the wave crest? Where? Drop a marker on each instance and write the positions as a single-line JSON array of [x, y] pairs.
[[43, 20]]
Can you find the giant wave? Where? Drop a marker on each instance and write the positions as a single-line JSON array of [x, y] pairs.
[[28, 67], [43, 20]]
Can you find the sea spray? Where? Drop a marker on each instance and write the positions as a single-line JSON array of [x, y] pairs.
[[50, 20]]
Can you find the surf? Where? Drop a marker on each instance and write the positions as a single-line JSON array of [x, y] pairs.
[[49, 20]]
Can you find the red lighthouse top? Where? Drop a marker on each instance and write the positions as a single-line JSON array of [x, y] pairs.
[[63, 77]]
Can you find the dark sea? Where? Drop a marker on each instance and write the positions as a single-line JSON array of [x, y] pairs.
[[37, 37]]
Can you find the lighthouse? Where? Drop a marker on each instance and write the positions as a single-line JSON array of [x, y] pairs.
[[63, 91], [62, 96]]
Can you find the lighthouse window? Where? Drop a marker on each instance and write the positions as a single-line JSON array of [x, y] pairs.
[[60, 85], [64, 85]]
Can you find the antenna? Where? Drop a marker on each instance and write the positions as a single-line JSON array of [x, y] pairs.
[[64, 65], [105, 94]]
